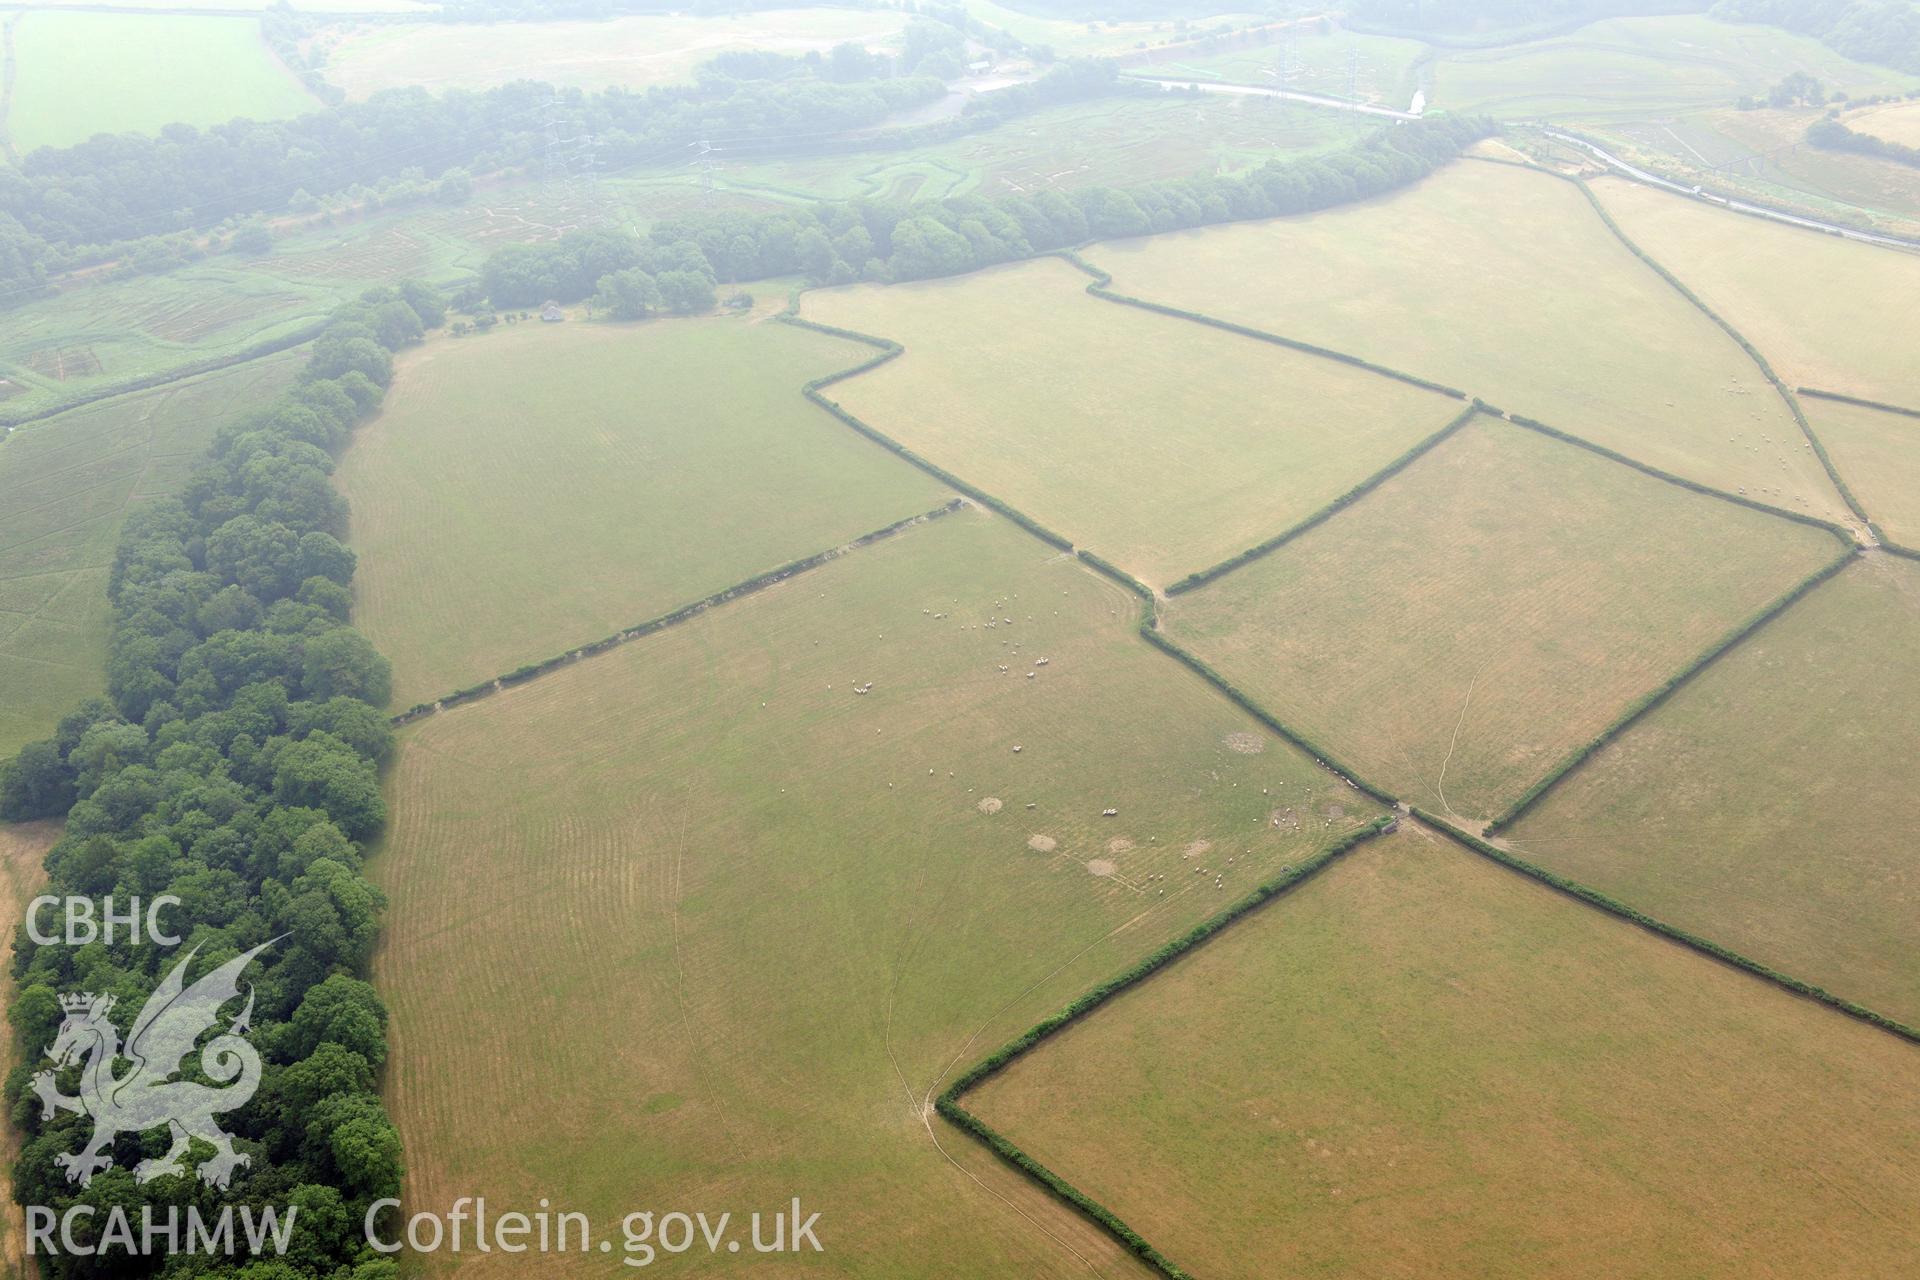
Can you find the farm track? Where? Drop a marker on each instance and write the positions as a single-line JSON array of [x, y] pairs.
[[948, 1102]]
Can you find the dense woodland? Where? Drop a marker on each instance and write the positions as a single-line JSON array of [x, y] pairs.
[[870, 240], [234, 764]]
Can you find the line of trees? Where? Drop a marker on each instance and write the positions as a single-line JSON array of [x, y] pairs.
[[234, 765], [872, 240], [1831, 135]]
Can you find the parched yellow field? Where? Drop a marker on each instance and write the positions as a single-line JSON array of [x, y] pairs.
[[1878, 455], [1760, 806], [631, 52], [1826, 312], [587, 477], [1507, 285], [717, 928], [1457, 633], [1163, 444], [1896, 122], [1421, 1066]]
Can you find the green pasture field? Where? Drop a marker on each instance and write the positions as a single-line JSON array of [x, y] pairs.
[[1458, 632], [102, 336], [1827, 312], [1895, 122], [1878, 455], [587, 477], [1507, 285], [78, 74], [1628, 66], [756, 921], [1420, 1065], [1383, 68], [66, 485], [1163, 444], [632, 52], [1760, 806]]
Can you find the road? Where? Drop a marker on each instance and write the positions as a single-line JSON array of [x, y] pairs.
[[1814, 224], [1291, 95]]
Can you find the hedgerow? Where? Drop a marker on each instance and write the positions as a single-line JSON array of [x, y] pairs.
[[1881, 405], [948, 1103], [1706, 947], [759, 582], [1327, 512], [1647, 702], [1099, 289], [888, 351]]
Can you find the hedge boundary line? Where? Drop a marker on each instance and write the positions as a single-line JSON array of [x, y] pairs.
[[948, 1104], [1653, 698], [1693, 486], [1843, 398], [759, 582], [1202, 577], [1119, 575], [891, 350], [1726, 326], [1099, 289], [1692, 941]]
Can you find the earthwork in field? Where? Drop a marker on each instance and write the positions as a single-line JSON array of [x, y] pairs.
[[1164, 445], [1458, 632], [66, 485], [789, 915], [1827, 312], [589, 477], [1506, 284], [1761, 806], [1418, 1064]]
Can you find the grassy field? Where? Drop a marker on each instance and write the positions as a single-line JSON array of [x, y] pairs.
[[1459, 631], [1421, 1065], [1878, 455], [754, 920], [632, 52], [1896, 122], [1113, 141], [1163, 444], [1627, 66], [66, 484], [1503, 283], [78, 74], [1759, 807], [1827, 312], [588, 477], [1340, 63]]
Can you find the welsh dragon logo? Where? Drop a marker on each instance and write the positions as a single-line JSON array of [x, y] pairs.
[[146, 1096]]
